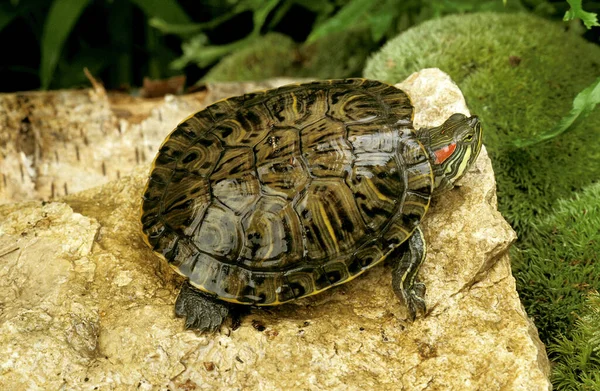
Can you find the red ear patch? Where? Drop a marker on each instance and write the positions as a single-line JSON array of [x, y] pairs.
[[444, 153]]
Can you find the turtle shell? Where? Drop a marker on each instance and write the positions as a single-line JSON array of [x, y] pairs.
[[271, 196]]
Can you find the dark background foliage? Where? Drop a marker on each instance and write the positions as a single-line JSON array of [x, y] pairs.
[[46, 44]]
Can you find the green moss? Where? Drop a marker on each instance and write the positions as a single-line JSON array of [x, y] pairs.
[[559, 263], [271, 55], [578, 365], [519, 73], [556, 267], [335, 56]]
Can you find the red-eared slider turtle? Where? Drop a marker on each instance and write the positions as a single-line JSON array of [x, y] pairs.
[[272, 196]]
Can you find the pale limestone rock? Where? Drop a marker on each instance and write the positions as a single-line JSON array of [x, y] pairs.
[[84, 303]]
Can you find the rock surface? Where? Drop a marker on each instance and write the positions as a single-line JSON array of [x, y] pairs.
[[84, 304]]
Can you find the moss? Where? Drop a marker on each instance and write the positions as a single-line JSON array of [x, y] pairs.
[[269, 56], [559, 263], [335, 56], [519, 73], [578, 366]]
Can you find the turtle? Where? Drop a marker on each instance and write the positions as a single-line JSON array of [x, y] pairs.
[[271, 196]]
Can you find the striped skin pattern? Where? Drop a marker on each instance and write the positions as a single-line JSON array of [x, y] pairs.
[[454, 147], [272, 196]]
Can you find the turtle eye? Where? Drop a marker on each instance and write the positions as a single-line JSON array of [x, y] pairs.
[[469, 138]]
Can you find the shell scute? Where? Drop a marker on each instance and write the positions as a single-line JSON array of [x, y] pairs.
[[244, 128], [272, 235], [183, 201], [279, 167], [326, 149], [233, 162], [219, 234], [331, 221], [239, 192], [297, 106], [201, 155], [354, 107]]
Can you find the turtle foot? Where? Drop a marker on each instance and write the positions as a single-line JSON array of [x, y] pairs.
[[415, 300], [407, 287], [200, 311]]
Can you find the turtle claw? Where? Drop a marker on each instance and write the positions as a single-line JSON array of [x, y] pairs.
[[409, 290], [415, 301], [201, 311]]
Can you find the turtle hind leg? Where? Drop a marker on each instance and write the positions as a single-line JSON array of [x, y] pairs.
[[409, 290], [201, 311]]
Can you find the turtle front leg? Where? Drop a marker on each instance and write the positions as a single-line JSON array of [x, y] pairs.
[[409, 290], [201, 311]]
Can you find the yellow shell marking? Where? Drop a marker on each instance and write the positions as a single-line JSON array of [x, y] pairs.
[[329, 227], [377, 192], [295, 104]]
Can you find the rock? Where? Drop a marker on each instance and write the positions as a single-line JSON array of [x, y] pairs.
[[85, 304]]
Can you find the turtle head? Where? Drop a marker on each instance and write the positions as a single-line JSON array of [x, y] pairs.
[[452, 147]]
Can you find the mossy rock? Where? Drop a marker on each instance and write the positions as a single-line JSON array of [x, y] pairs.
[[268, 56], [520, 74], [556, 271], [578, 364], [273, 55], [558, 263], [338, 55]]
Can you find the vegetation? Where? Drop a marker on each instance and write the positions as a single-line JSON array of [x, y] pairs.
[[340, 54], [161, 38], [513, 59], [577, 357], [558, 276]]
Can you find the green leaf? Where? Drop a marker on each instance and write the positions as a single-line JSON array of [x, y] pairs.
[[197, 51], [321, 8], [193, 28], [583, 105], [186, 29], [261, 13], [178, 29], [259, 8], [346, 17], [167, 10], [316, 6], [7, 14], [61, 19], [590, 19], [279, 14], [382, 20], [380, 24]]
